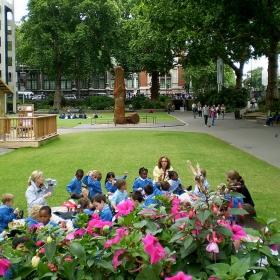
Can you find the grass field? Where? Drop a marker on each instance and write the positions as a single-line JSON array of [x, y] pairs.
[[121, 151], [109, 118]]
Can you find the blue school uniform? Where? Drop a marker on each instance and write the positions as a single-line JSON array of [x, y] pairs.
[[112, 188], [157, 191], [106, 214], [94, 186], [31, 222], [141, 183], [75, 186], [118, 197], [150, 199], [6, 216], [175, 187]]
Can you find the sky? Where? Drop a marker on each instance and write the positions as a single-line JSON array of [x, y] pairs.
[[20, 9]]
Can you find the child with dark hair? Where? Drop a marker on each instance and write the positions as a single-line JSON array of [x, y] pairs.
[[120, 195], [142, 180], [149, 193], [110, 183], [175, 183], [18, 242], [45, 214], [104, 211], [75, 186], [137, 197], [161, 188]]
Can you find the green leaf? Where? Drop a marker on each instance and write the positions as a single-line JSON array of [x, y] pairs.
[[240, 268], [43, 269], [256, 276], [270, 221], [77, 250], [203, 215], [188, 241], [50, 249], [177, 236], [236, 211], [219, 268], [260, 220], [147, 273], [224, 230], [185, 252], [236, 194], [275, 238], [251, 231], [266, 251], [140, 224], [105, 264]]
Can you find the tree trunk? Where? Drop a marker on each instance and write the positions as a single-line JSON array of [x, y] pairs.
[[119, 95], [57, 98], [239, 74], [272, 83], [155, 86]]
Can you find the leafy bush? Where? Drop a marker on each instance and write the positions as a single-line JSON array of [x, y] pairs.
[[99, 102], [155, 243], [141, 102], [232, 98]]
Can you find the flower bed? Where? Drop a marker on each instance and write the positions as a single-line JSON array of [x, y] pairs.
[[173, 241]]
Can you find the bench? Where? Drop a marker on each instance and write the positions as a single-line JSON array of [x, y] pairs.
[[75, 110], [272, 122]]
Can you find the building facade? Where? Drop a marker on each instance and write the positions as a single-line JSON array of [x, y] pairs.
[[7, 46]]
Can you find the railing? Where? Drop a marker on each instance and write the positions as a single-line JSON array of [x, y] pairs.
[[28, 128], [143, 119]]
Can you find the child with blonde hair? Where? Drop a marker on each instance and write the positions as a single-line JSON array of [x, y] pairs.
[[93, 184], [7, 213]]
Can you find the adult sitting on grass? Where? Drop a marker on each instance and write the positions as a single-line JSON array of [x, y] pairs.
[[234, 177], [161, 170], [37, 192]]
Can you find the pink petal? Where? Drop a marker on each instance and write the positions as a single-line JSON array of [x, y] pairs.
[[115, 260], [180, 276], [212, 247], [4, 265]]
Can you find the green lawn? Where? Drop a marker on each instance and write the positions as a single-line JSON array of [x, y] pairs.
[[121, 151], [109, 117]]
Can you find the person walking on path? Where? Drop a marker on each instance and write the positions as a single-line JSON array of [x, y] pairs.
[[205, 114], [223, 109], [194, 109], [213, 114]]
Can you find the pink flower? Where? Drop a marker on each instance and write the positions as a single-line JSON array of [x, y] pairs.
[[212, 247], [40, 243], [116, 262], [79, 233], [121, 233], [42, 250], [153, 248], [177, 212], [237, 231], [176, 201], [4, 265], [96, 223], [125, 208], [180, 276]]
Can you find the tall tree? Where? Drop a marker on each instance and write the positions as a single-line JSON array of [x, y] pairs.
[[68, 37]]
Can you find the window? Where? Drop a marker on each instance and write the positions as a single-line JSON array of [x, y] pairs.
[[99, 82], [10, 77], [31, 80], [9, 30], [10, 46], [10, 61]]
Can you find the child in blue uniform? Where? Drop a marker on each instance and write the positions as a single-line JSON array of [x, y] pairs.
[[93, 182], [161, 188], [120, 194], [45, 214], [75, 186], [104, 211], [7, 213], [142, 180], [110, 182], [149, 194], [175, 183]]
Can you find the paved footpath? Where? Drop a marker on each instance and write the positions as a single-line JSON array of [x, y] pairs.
[[246, 135]]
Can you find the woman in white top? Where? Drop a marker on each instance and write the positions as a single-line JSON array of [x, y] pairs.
[[161, 169]]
